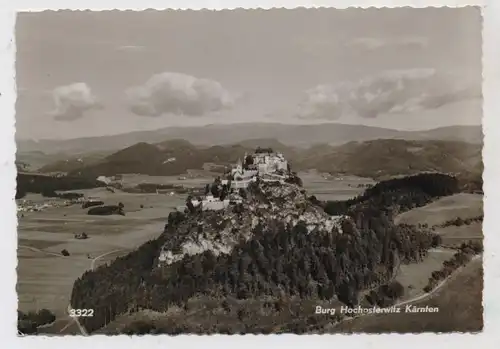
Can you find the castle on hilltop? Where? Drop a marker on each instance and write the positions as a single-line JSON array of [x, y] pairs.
[[263, 161], [264, 165]]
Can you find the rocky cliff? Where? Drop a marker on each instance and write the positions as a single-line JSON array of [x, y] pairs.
[[264, 204]]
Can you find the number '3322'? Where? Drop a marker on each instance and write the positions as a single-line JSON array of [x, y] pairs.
[[81, 312]]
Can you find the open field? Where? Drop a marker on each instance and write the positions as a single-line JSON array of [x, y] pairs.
[[62, 326], [331, 188], [459, 303], [39, 244], [109, 257], [454, 236], [192, 179], [47, 281], [445, 209], [414, 277], [45, 277]]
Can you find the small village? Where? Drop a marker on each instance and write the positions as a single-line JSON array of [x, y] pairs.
[[24, 206]]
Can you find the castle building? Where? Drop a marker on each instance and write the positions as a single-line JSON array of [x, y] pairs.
[[264, 164]]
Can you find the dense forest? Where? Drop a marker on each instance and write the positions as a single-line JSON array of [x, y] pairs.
[[47, 185], [279, 260], [28, 323], [395, 195]]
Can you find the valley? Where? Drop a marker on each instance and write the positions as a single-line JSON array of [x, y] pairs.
[[328, 174], [46, 277]]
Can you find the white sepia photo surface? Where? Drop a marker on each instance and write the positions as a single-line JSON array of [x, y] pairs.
[[288, 171]]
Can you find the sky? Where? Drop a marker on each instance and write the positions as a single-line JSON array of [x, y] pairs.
[[96, 73]]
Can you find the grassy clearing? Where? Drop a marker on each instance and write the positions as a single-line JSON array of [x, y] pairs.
[[40, 244], [414, 277], [46, 282], [62, 326], [110, 257], [459, 303], [445, 209], [98, 227], [27, 253], [454, 236]]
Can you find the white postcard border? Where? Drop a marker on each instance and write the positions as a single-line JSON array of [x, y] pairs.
[[491, 127]]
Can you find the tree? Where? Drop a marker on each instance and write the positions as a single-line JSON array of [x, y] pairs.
[[26, 327], [189, 204], [215, 190], [139, 328], [436, 240], [45, 316], [242, 314], [224, 192], [395, 290], [249, 160]]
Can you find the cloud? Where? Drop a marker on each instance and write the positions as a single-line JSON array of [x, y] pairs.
[[73, 101], [180, 94], [399, 91], [378, 43]]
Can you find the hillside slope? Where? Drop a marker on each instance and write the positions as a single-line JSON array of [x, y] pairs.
[[164, 159], [376, 159], [276, 247], [390, 157], [290, 135]]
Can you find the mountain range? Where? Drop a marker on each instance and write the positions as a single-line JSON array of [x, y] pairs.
[[301, 136], [375, 159]]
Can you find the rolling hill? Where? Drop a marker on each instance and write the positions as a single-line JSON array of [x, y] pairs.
[[218, 134], [167, 158], [376, 158], [389, 157], [69, 163]]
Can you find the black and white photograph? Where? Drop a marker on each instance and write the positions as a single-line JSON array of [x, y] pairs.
[[246, 171]]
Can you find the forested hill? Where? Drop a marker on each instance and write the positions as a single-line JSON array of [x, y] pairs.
[[48, 185], [220, 134], [279, 244], [381, 158], [397, 195]]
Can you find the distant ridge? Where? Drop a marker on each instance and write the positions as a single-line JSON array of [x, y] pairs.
[[375, 158], [218, 134]]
